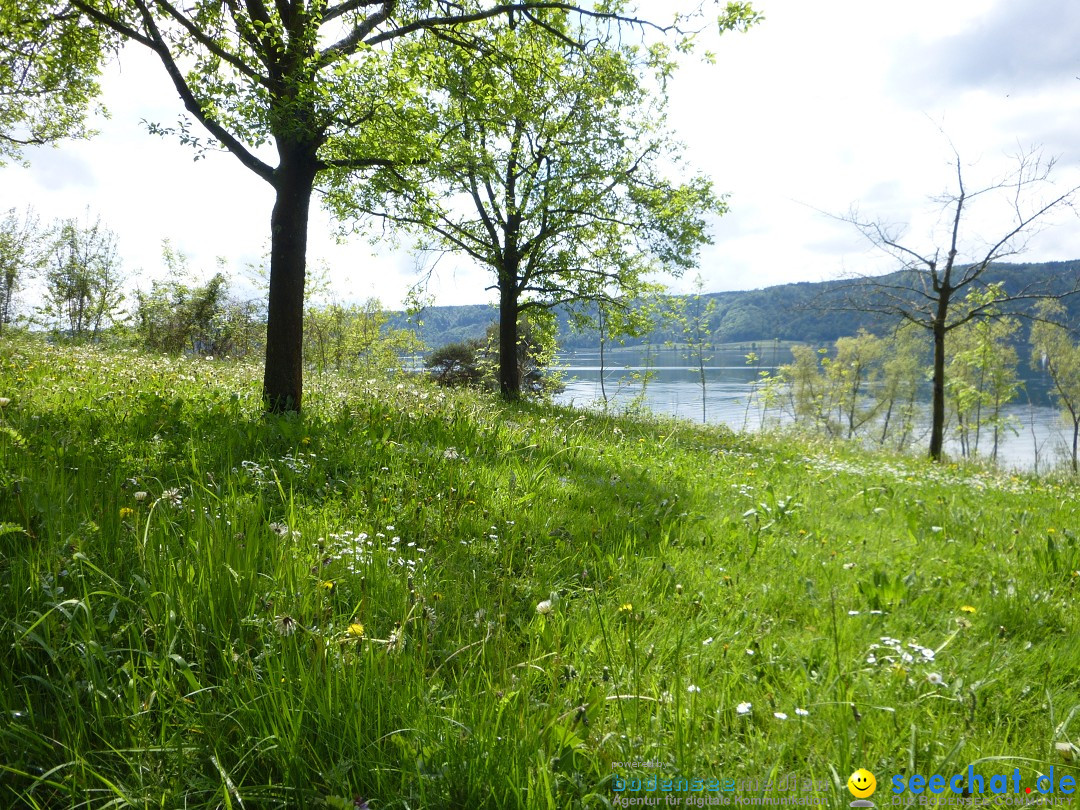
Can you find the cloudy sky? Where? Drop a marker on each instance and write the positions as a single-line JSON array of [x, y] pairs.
[[826, 106]]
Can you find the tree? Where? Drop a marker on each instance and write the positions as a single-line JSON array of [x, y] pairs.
[[1053, 351], [693, 315], [849, 374], [903, 372], [49, 65], [807, 387], [83, 280], [617, 319], [550, 174], [21, 254], [934, 278], [329, 85], [981, 377]]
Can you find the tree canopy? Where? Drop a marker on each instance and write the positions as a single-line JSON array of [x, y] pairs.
[[50, 61], [552, 172]]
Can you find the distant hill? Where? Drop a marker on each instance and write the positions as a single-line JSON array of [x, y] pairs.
[[804, 312]]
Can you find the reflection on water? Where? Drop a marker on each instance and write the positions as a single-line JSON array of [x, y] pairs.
[[675, 389]]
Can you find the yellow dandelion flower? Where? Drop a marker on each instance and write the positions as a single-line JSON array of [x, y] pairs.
[[126, 511], [626, 608], [968, 609], [356, 630], [328, 585]]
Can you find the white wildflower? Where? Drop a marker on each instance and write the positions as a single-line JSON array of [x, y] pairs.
[[544, 608], [744, 708], [779, 715], [396, 642]]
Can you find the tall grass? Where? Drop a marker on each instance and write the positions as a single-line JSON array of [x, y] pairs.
[[421, 598]]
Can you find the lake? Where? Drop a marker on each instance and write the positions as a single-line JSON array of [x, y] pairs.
[[675, 390]]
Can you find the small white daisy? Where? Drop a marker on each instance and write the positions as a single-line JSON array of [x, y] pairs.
[[802, 712], [744, 708], [779, 715]]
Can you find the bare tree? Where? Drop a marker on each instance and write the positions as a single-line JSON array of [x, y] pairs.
[[931, 288]]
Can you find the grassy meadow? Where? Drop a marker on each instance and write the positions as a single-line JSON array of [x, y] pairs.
[[411, 597]]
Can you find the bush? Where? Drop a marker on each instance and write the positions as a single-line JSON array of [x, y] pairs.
[[349, 338], [456, 363], [176, 318]]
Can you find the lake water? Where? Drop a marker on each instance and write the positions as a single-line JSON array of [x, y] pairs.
[[675, 389]]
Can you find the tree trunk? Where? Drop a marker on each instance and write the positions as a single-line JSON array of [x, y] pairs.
[[937, 419], [509, 371], [888, 418], [603, 325], [284, 372], [1076, 435]]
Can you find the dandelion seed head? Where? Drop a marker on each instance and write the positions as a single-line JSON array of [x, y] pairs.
[[285, 625]]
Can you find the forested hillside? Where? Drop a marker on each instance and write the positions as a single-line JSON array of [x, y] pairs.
[[807, 311]]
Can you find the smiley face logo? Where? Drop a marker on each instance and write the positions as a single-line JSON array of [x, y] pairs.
[[862, 784]]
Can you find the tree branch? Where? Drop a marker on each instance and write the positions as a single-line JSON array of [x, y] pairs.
[[506, 8], [351, 41], [191, 103], [209, 43]]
